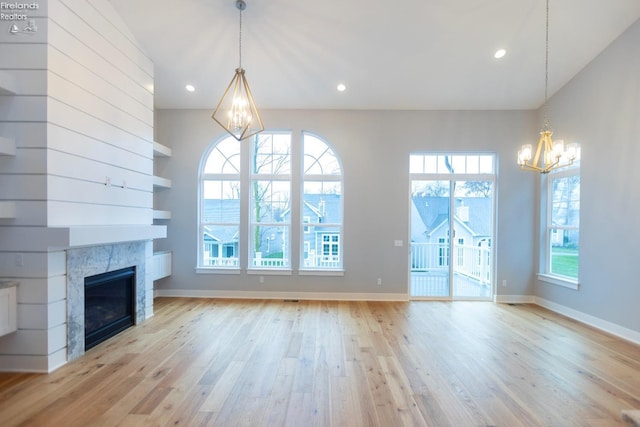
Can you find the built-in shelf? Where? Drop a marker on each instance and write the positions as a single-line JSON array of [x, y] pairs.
[[159, 214], [7, 84], [161, 266], [7, 210], [160, 182], [8, 307], [160, 150], [7, 146]]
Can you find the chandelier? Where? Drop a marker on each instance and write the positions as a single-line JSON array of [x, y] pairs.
[[549, 154], [237, 112]]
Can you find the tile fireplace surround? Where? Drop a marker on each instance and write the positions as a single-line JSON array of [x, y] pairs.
[[88, 261]]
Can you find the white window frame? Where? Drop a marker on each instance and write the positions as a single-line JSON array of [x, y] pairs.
[[546, 228], [297, 225], [318, 252]]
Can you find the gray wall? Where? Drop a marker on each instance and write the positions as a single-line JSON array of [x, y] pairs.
[[374, 147], [600, 108]]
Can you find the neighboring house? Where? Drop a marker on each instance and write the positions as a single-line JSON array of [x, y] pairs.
[[322, 245], [322, 237], [221, 242], [430, 232]]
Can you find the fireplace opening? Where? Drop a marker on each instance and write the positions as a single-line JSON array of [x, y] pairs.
[[108, 305]]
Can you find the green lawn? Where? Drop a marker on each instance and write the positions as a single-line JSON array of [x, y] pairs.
[[564, 262]]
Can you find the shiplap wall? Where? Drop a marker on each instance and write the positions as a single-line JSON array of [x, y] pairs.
[[100, 115], [81, 116]]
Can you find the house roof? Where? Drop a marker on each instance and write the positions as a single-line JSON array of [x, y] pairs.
[[434, 210], [221, 211]]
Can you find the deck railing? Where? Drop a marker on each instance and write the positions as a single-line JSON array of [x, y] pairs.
[[471, 261]]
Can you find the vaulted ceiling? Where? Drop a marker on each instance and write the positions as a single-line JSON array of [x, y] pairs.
[[412, 54]]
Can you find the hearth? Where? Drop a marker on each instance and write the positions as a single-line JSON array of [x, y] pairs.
[[108, 304]]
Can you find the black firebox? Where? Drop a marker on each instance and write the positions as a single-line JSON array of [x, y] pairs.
[[108, 305]]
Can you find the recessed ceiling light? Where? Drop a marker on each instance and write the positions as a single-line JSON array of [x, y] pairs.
[[190, 88], [499, 53], [341, 87]]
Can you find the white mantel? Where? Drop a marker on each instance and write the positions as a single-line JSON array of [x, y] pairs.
[[52, 238]]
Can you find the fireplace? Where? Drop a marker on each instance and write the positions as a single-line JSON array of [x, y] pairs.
[[88, 261], [109, 300]]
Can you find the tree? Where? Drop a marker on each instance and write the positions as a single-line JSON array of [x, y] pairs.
[[266, 160], [478, 188]]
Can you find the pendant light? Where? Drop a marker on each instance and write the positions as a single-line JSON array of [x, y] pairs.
[[549, 154], [237, 112]]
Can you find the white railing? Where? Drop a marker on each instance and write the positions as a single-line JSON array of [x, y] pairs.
[[221, 262], [322, 262], [270, 262], [471, 261]]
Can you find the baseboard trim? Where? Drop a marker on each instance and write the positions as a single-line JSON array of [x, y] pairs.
[[596, 322], [312, 296]]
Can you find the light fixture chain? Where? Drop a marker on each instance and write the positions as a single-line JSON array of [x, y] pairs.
[[546, 71], [240, 42]]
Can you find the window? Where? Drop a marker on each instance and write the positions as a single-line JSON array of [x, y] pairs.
[[561, 247], [322, 205], [270, 201], [220, 206], [251, 191], [452, 164]]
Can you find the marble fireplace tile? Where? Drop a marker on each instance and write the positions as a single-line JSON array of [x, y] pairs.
[[89, 261]]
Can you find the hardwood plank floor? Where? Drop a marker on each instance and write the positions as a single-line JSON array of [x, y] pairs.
[[201, 362]]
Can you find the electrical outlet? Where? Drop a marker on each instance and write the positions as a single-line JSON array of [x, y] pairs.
[[19, 260], [504, 283], [261, 279], [379, 281]]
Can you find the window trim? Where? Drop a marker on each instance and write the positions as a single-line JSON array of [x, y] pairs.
[[296, 225], [313, 226], [545, 274], [558, 280]]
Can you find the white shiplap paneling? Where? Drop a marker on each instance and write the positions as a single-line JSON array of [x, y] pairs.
[[67, 68], [69, 117], [68, 214], [71, 166], [24, 109], [25, 134], [34, 264], [82, 99], [42, 290], [74, 190], [80, 111], [105, 151], [23, 187], [71, 46]]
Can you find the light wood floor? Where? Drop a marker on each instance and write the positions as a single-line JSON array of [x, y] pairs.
[[271, 363]]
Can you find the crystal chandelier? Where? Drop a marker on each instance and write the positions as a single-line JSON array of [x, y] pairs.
[[237, 112], [549, 154]]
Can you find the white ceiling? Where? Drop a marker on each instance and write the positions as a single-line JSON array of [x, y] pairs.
[[411, 54]]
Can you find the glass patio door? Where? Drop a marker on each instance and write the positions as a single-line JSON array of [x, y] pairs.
[[430, 239], [451, 232]]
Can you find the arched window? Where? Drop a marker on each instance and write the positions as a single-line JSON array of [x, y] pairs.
[[220, 205], [270, 201], [321, 207], [259, 175]]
